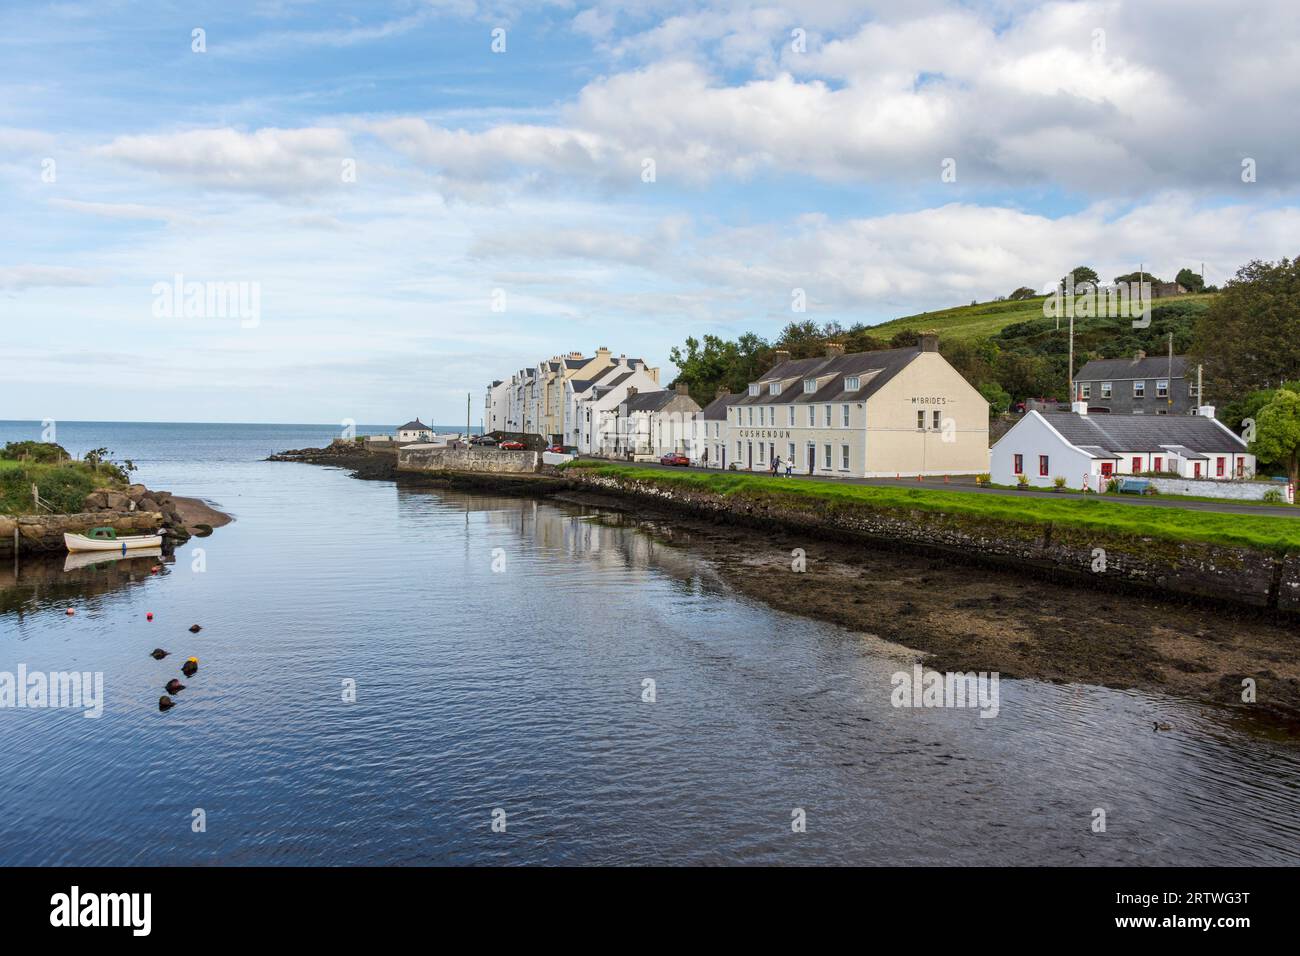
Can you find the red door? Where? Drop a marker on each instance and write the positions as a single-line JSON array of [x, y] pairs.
[[1137, 465], [1196, 469], [1219, 467]]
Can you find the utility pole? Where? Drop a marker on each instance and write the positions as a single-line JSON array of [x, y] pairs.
[[1169, 380], [468, 397], [1071, 369]]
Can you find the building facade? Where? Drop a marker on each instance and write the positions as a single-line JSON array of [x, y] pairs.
[[1142, 385], [660, 422], [865, 414], [1087, 450]]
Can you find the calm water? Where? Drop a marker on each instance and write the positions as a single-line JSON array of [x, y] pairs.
[[522, 690]]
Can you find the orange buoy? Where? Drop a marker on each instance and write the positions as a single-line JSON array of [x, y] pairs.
[[70, 612], [149, 616]]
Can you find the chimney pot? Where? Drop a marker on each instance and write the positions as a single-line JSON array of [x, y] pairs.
[[1139, 355], [631, 390], [834, 349], [682, 389], [722, 390]]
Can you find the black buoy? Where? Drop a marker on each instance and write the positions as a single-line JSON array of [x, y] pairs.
[[174, 686], [194, 628], [158, 653], [190, 666], [165, 702], [1161, 725]]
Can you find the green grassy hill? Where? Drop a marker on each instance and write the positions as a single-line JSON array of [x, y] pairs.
[[985, 318]]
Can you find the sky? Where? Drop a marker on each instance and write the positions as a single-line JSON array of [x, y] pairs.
[[371, 210]]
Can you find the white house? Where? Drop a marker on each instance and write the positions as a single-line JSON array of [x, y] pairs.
[[496, 408], [710, 446], [601, 426], [1086, 450], [660, 422], [414, 431]]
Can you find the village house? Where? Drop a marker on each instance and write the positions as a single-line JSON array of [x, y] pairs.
[[601, 424], [1086, 450], [1142, 385], [865, 414], [659, 422], [710, 446], [414, 431]]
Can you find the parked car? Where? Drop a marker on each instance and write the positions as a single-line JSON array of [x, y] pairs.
[[555, 449], [482, 440], [512, 445], [674, 458]]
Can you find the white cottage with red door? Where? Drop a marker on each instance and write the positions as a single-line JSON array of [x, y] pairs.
[[1086, 450]]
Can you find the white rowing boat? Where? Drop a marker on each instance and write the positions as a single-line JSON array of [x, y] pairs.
[[106, 539]]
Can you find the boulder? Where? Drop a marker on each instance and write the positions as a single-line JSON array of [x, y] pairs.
[[115, 501]]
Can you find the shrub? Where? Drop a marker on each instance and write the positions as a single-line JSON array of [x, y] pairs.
[[1272, 495], [1112, 486], [1059, 482], [983, 479], [1022, 481]]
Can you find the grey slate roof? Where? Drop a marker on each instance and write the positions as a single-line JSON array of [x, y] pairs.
[[649, 401], [416, 425], [1125, 433], [716, 410], [874, 369], [1127, 369]]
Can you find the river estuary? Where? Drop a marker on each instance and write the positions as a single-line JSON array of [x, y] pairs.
[[499, 652]]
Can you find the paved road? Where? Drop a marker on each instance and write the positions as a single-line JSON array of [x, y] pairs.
[[968, 484]]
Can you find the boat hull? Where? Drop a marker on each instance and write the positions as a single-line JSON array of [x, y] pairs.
[[79, 542]]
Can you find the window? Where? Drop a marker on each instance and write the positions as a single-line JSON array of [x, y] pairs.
[[1085, 390], [760, 453], [828, 457], [844, 409], [760, 416], [792, 416], [828, 416], [812, 416], [751, 416], [1139, 389], [1105, 389], [1219, 467], [753, 388], [1162, 389], [938, 419], [774, 388], [1158, 464], [851, 383], [1137, 465], [1042, 466], [740, 451], [1018, 464], [790, 453], [809, 386], [1191, 389], [844, 457], [920, 419]]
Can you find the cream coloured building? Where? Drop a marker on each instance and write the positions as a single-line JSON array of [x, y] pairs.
[[861, 415]]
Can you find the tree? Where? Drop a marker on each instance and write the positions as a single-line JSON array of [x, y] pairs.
[[1024, 292], [1249, 337], [1277, 432], [1130, 277], [1080, 274], [1191, 281], [999, 399]]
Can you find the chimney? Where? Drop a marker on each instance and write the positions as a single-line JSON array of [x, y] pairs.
[[722, 390], [834, 349], [779, 356], [1205, 411], [631, 390], [1139, 355], [929, 341]]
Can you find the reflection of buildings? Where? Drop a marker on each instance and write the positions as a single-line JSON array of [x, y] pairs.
[[570, 532]]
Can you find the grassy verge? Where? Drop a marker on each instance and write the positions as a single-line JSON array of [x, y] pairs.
[[64, 486], [1275, 534]]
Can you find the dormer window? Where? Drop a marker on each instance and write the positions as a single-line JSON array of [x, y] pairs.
[[753, 388], [851, 383], [774, 388], [809, 386]]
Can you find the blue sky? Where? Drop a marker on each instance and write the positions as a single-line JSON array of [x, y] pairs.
[[1106, 133]]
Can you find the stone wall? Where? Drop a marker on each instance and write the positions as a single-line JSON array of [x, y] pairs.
[[1208, 488], [491, 461], [44, 533], [1189, 569]]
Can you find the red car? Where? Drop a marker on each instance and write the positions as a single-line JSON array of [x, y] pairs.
[[512, 445], [555, 449], [674, 458]]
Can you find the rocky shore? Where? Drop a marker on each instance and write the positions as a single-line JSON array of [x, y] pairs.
[[377, 463], [181, 517]]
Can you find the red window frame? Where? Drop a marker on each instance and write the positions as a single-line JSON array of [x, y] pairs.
[[1107, 469], [1042, 466], [1018, 464], [1219, 466], [1137, 465], [1241, 467], [1159, 464]]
